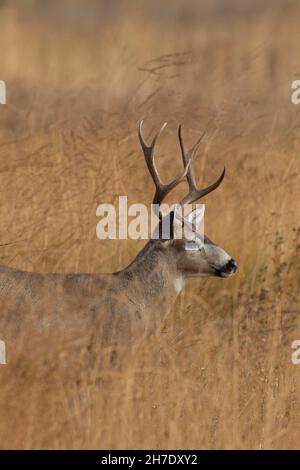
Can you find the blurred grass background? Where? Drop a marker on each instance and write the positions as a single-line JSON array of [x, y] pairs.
[[79, 76]]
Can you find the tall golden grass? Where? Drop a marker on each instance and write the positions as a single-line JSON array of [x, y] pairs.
[[219, 373]]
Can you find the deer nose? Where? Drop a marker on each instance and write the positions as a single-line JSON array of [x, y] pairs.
[[231, 266]]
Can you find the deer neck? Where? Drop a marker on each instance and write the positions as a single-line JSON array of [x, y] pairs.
[[152, 280]]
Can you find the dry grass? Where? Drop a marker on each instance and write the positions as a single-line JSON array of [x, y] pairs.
[[219, 375]]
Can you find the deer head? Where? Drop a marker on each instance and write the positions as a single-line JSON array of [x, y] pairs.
[[195, 255]]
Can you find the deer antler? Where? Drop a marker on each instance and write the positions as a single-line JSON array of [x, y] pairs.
[[161, 189], [188, 156]]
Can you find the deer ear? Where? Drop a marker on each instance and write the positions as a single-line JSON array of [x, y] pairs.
[[191, 227], [180, 227], [178, 222], [194, 225], [196, 218]]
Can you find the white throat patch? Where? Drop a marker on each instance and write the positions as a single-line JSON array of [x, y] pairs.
[[179, 284]]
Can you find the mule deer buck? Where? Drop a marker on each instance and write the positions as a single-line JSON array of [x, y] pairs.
[[59, 310]]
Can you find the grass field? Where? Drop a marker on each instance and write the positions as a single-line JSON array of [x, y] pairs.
[[219, 373]]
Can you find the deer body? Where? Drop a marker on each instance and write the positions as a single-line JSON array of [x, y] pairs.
[[142, 293]]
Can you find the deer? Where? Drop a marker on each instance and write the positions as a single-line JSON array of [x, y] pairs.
[[107, 310]]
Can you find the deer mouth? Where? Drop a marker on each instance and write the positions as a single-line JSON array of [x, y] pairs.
[[220, 273]]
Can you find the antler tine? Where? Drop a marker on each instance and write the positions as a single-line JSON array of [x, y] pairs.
[[188, 156], [161, 189]]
